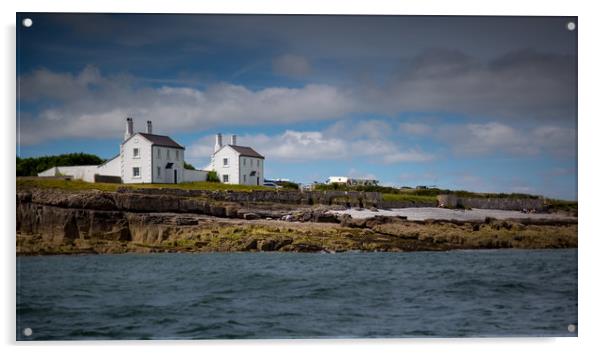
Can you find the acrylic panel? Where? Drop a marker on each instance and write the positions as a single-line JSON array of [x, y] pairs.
[[185, 176]]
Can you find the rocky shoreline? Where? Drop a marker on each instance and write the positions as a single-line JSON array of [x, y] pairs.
[[53, 221]]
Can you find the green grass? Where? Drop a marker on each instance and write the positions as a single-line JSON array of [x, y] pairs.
[[562, 205], [429, 192], [110, 187], [408, 197]]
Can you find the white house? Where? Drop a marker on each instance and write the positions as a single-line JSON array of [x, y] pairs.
[[143, 158], [151, 158], [236, 164], [352, 181]]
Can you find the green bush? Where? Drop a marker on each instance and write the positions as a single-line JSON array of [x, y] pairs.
[[288, 184], [212, 176]]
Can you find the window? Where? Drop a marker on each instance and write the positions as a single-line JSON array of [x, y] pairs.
[[159, 153], [136, 152], [168, 155], [225, 162], [225, 178], [177, 155], [136, 171], [158, 171]]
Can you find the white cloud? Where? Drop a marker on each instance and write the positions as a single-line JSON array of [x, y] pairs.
[[95, 106], [354, 173], [521, 84], [411, 155], [331, 144], [495, 137], [291, 65]]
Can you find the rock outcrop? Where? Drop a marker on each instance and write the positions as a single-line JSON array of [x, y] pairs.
[[57, 221]]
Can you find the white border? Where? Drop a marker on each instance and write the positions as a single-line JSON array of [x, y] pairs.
[[589, 170]]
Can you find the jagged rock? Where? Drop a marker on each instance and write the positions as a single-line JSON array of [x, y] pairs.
[[326, 217], [182, 220], [71, 232], [218, 211], [250, 216], [266, 245], [378, 220], [345, 219], [490, 220], [55, 221], [230, 211], [24, 197], [303, 247], [307, 216], [250, 245]]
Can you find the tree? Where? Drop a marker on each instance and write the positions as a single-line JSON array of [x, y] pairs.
[[188, 166], [31, 166]]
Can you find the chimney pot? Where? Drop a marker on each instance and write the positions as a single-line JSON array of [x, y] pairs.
[[218, 142], [149, 127], [233, 139], [129, 128]]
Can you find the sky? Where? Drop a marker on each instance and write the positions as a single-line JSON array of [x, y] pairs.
[[485, 104]]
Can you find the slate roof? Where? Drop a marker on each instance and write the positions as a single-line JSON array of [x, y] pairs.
[[246, 151], [162, 140]]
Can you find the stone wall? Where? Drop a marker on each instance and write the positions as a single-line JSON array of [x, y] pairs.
[[349, 199], [453, 201]]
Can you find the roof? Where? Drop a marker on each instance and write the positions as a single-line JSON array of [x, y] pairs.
[[109, 160], [246, 151], [161, 140]]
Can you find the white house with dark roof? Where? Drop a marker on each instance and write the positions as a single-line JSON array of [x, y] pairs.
[[151, 158], [143, 158], [236, 164]]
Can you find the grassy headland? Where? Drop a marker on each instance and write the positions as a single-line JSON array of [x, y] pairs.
[[75, 185]]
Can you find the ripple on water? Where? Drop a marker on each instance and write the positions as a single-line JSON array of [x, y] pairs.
[[281, 295]]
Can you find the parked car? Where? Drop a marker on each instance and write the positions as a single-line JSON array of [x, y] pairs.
[[271, 185]]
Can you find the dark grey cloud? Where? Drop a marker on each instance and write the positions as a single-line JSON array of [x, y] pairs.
[[341, 37], [522, 85]]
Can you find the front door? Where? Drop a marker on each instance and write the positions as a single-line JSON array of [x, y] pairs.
[[175, 176], [257, 180]]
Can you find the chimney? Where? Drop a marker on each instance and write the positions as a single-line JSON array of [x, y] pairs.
[[129, 128], [149, 127], [218, 142], [233, 140]]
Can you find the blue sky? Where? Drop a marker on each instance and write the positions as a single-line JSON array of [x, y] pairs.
[[476, 103]]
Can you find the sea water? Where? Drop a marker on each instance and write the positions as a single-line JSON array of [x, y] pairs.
[[290, 295]]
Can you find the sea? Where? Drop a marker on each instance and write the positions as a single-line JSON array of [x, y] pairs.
[[477, 293]]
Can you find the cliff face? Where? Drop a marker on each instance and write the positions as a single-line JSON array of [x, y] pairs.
[[57, 221]]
